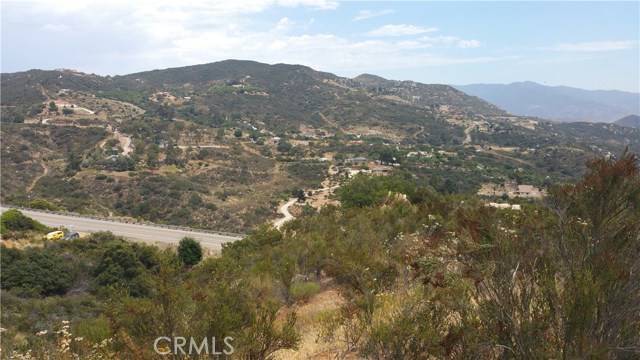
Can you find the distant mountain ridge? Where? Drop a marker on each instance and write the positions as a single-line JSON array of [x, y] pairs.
[[632, 121], [281, 98], [560, 103]]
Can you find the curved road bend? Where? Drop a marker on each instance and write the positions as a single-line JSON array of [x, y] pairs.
[[284, 210], [145, 233]]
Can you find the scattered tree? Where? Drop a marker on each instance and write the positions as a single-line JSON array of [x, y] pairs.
[[189, 251], [300, 195], [284, 146]]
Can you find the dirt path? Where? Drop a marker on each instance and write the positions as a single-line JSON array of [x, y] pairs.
[[497, 154], [183, 147], [35, 181], [284, 210], [467, 135], [330, 122], [251, 150], [125, 142], [88, 111], [319, 197], [44, 92], [311, 345], [135, 107]]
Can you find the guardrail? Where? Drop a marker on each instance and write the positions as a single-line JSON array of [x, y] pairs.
[[125, 221]]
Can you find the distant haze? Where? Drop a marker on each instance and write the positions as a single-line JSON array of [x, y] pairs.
[[561, 103], [587, 44]]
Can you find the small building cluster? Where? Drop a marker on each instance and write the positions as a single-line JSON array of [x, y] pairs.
[[362, 165], [424, 154], [512, 190], [504, 206]]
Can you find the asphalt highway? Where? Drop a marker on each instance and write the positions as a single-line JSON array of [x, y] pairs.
[[156, 235]]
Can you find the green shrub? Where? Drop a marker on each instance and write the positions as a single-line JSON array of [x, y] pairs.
[[14, 220], [189, 251], [124, 265], [42, 204], [118, 163], [284, 146], [263, 337], [35, 272], [195, 201], [303, 291], [363, 191], [310, 173], [94, 330]]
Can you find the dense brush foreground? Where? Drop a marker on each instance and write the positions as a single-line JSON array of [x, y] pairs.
[[419, 275]]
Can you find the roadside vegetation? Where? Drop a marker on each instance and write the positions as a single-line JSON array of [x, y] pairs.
[[14, 220], [420, 274]]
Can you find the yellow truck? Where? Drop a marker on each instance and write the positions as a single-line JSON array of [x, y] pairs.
[[55, 235], [61, 235]]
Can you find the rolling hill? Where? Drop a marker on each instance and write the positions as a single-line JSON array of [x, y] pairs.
[[629, 121], [220, 145], [281, 96]]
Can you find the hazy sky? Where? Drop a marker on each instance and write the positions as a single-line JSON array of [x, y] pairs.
[[583, 44]]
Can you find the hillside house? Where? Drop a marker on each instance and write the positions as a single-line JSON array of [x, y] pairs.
[[512, 190], [63, 104], [356, 161], [527, 191], [380, 170], [425, 154], [350, 172], [504, 206]]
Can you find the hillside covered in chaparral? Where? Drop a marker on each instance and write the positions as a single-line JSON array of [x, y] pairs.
[[383, 219]]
